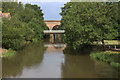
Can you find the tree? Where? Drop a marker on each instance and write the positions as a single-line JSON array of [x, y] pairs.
[[26, 25], [85, 22]]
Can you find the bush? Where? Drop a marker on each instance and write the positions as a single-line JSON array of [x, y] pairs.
[[9, 53], [111, 57]]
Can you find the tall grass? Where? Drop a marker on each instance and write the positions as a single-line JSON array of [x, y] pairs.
[[111, 57]]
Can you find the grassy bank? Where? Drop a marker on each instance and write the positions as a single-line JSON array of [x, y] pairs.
[[9, 53], [109, 42], [112, 42], [111, 57]]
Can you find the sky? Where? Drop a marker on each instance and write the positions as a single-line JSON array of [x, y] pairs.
[[51, 9]]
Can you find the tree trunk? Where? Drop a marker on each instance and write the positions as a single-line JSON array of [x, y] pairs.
[[103, 43]]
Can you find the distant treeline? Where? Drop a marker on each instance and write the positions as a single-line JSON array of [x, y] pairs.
[[26, 25], [86, 22]]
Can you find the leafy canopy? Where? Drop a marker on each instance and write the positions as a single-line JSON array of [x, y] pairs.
[[86, 22]]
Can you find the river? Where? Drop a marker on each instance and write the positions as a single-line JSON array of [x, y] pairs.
[[46, 60]]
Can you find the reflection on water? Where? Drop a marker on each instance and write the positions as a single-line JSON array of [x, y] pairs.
[[78, 64], [45, 60], [28, 58], [84, 67], [0, 67]]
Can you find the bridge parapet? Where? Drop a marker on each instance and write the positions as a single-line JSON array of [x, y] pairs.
[[52, 23], [54, 31]]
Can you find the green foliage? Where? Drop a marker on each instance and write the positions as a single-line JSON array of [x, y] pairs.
[[26, 25], [112, 57], [9, 53], [57, 27], [86, 22]]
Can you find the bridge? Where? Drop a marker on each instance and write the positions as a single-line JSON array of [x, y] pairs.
[[54, 31], [50, 24]]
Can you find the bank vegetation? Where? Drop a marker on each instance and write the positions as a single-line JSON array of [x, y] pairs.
[[25, 26], [86, 23]]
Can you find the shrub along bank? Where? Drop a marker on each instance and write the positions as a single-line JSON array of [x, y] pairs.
[[111, 57], [9, 53]]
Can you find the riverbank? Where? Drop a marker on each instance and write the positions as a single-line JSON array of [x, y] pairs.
[[111, 57], [112, 42], [7, 53], [109, 42]]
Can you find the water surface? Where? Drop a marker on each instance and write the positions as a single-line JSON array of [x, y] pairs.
[[47, 60]]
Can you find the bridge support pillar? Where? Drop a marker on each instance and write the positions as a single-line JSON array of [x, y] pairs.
[[52, 38], [59, 37]]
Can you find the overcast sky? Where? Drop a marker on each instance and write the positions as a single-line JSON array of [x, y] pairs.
[[51, 9]]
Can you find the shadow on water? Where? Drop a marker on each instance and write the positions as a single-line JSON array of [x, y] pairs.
[[83, 50], [26, 58], [78, 64]]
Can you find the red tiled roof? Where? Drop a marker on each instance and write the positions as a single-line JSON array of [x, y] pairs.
[[6, 15]]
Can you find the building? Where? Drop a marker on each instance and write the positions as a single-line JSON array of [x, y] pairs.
[[5, 15], [0, 13]]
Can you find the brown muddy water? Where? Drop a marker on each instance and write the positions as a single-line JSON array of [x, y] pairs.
[[47, 60]]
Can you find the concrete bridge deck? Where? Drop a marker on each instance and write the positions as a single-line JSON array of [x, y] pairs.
[[55, 45], [54, 31]]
